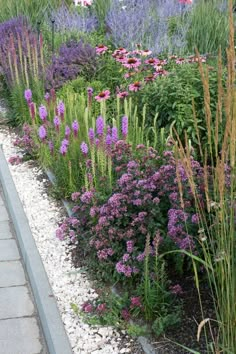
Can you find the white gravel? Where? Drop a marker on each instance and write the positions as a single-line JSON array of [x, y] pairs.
[[69, 284]]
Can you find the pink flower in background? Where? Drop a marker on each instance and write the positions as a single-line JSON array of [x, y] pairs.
[[152, 61], [122, 94], [180, 60], [145, 52], [136, 86], [176, 289], [103, 95], [101, 49], [83, 3], [131, 63], [185, 2]]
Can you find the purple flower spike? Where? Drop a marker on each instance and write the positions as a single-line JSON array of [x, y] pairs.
[[57, 123], [43, 113], [84, 148], [65, 142], [67, 132], [63, 149], [124, 127], [28, 95], [75, 128], [47, 97], [42, 132], [61, 110], [114, 134], [90, 91], [100, 125], [108, 139], [91, 134], [32, 110]]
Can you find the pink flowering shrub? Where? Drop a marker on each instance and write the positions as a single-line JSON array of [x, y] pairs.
[[145, 200]]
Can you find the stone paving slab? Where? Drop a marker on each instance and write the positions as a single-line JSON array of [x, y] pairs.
[[9, 250], [3, 213], [19, 336], [5, 230], [11, 274], [15, 302]]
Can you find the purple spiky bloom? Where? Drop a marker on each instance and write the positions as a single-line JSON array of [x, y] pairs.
[[65, 142], [61, 110], [84, 148], [114, 134], [57, 123], [124, 127], [108, 140], [100, 125], [42, 132], [91, 134], [90, 91], [28, 95], [63, 149], [67, 132], [43, 113], [47, 97], [75, 128]]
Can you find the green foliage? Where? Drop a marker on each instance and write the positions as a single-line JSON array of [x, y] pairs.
[[163, 322], [172, 98], [135, 330]]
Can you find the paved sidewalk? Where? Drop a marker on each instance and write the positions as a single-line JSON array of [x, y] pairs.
[[20, 332]]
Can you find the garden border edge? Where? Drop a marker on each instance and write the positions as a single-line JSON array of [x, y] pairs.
[[50, 318]]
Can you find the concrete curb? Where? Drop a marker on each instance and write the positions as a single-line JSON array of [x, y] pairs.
[[53, 328]]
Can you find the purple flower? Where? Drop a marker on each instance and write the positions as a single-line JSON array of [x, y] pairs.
[[84, 148], [57, 123], [75, 128], [101, 308], [108, 139], [47, 97], [114, 134], [100, 125], [67, 132], [130, 246], [43, 113], [86, 197], [195, 219], [90, 90], [136, 301], [91, 134], [32, 110], [124, 126], [28, 95], [61, 110], [63, 149], [42, 132]]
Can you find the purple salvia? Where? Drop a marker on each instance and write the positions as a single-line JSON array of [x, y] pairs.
[[42, 132], [100, 125], [91, 134], [124, 127], [28, 95], [61, 110], [43, 113], [84, 148], [67, 132], [57, 123], [114, 134], [75, 128]]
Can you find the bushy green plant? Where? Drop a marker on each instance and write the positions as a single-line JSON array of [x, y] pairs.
[[172, 98]]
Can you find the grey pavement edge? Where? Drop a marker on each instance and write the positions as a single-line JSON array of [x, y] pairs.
[[53, 328]]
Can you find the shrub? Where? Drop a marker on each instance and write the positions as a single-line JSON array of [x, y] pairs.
[[74, 58]]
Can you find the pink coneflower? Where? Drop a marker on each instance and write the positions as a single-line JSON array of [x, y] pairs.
[[100, 49], [152, 61], [161, 72], [121, 58], [180, 60], [103, 95], [136, 86], [131, 63], [145, 52], [119, 51], [186, 2], [171, 57], [122, 94], [158, 67]]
